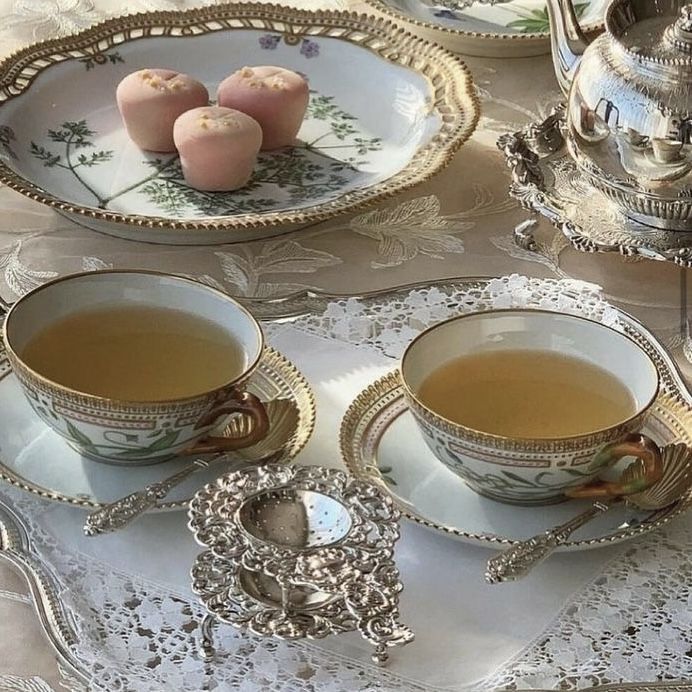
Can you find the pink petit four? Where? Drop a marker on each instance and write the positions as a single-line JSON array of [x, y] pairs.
[[275, 97], [218, 147], [151, 100]]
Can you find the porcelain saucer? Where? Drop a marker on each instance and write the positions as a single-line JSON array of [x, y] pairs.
[[36, 459], [505, 29], [380, 440]]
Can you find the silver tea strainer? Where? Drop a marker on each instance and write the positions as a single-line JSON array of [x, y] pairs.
[[297, 552]]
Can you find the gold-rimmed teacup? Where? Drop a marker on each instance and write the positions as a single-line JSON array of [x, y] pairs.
[[137, 432], [535, 470]]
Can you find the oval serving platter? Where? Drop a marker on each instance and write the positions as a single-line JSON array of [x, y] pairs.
[[514, 29], [387, 110], [38, 460]]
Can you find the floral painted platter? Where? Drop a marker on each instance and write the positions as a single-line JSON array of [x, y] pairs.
[[517, 28], [35, 458], [380, 440], [375, 124]]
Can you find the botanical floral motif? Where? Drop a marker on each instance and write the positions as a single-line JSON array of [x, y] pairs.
[[548, 254], [246, 269], [444, 13], [386, 473], [308, 48], [18, 277], [536, 21], [124, 447], [416, 227], [91, 264], [301, 173], [269, 41], [510, 484], [75, 136], [6, 136], [17, 598], [403, 232], [35, 20], [15, 683], [101, 59]]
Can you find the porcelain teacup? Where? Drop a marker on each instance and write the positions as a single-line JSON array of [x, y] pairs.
[[136, 432], [535, 471]]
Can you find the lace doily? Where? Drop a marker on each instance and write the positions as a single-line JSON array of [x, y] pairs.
[[633, 621], [389, 325]]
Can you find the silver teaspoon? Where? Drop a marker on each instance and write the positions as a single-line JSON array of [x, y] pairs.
[[519, 559], [283, 418]]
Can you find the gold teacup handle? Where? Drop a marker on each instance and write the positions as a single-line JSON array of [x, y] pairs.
[[636, 445], [245, 403]]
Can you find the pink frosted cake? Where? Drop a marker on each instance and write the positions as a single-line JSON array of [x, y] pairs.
[[218, 147], [151, 100], [275, 97]]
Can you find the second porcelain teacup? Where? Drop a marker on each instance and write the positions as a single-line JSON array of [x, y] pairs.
[[535, 470], [127, 432]]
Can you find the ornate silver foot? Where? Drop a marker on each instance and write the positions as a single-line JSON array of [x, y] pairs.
[[524, 237], [206, 639], [380, 655]]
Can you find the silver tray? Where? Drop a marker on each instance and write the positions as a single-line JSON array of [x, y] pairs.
[[56, 620], [546, 180]]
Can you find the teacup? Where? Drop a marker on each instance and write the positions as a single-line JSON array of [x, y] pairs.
[[535, 471], [136, 432]]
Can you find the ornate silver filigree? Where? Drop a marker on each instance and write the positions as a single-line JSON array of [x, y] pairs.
[[298, 552], [546, 180]]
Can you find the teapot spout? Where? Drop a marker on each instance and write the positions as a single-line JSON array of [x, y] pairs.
[[567, 40]]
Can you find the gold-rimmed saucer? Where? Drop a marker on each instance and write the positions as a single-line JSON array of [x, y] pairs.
[[380, 440], [34, 458]]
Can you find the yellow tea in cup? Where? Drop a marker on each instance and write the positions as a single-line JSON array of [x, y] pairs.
[[526, 394], [135, 353]]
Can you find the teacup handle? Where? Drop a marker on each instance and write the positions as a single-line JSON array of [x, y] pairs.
[[246, 403], [636, 445]]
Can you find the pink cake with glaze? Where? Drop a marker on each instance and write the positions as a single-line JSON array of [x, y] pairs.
[[218, 147], [274, 96], [150, 101]]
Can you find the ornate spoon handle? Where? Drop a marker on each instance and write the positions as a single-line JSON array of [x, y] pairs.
[[518, 560], [121, 512]]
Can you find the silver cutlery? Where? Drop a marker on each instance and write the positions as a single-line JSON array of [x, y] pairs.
[[519, 559], [283, 417]]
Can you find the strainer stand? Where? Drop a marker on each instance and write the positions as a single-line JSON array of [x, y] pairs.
[[297, 552]]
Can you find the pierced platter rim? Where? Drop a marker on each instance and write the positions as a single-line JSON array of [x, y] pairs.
[[451, 94]]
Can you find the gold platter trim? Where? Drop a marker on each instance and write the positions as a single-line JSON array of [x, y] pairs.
[[363, 426], [453, 95], [274, 367]]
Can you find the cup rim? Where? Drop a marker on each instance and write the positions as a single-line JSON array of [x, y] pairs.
[[124, 402], [460, 428]]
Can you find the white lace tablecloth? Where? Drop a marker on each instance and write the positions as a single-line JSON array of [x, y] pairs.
[[610, 615]]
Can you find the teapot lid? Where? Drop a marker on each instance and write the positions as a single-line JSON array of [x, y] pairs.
[[658, 31]]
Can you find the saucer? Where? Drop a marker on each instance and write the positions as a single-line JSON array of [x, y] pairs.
[[36, 459], [380, 440], [506, 29]]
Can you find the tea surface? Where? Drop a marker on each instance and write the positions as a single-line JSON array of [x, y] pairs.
[[527, 394], [135, 353]]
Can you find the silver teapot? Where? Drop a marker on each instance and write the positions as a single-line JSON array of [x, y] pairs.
[[629, 113]]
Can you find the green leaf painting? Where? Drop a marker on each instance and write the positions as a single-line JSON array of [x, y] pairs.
[[536, 21], [318, 168]]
